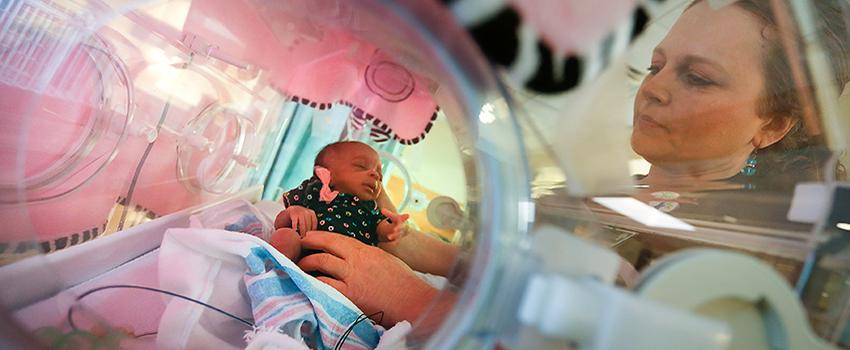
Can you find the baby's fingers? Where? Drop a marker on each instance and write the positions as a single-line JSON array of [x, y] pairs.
[[403, 218], [395, 218], [312, 222], [295, 219], [304, 224]]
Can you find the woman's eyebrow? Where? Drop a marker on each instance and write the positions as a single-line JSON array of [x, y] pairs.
[[694, 59]]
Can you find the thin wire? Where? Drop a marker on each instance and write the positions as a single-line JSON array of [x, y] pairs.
[[350, 328], [141, 164], [337, 346], [345, 334], [129, 286]]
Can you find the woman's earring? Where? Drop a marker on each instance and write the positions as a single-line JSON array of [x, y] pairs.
[[750, 168]]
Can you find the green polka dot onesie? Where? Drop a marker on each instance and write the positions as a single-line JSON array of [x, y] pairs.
[[346, 214]]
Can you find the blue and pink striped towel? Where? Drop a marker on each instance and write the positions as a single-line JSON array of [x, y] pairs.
[[287, 300]]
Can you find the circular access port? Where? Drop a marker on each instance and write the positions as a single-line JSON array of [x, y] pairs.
[[69, 130], [210, 153]]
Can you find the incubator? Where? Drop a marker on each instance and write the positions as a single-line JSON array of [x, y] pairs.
[[145, 147]]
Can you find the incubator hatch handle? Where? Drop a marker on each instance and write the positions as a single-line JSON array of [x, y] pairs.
[[234, 160], [562, 253], [693, 279], [191, 139], [597, 316], [572, 297]]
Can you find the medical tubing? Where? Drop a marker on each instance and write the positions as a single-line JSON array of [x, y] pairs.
[[350, 328], [129, 286], [338, 344]]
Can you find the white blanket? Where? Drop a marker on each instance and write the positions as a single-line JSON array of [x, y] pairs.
[[209, 266]]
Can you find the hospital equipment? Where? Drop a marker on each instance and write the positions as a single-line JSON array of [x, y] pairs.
[[122, 119]]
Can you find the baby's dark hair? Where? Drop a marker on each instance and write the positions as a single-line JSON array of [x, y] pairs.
[[330, 150]]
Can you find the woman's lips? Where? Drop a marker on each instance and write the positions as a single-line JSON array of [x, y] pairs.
[[646, 121]]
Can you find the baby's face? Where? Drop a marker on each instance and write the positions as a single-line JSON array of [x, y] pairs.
[[356, 169]]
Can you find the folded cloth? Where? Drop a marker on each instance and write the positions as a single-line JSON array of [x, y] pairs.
[[249, 224], [209, 265], [392, 339], [274, 341], [286, 299], [236, 215]]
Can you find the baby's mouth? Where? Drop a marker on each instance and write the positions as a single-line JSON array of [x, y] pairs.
[[373, 187]]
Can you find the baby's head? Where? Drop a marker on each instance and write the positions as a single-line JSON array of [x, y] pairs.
[[355, 168]]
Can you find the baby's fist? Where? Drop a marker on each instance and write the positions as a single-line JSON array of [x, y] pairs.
[[394, 227]]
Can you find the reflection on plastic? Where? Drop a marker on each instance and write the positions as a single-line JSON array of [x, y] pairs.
[[642, 213]]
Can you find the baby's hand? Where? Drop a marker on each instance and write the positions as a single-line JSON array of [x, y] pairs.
[[393, 227], [303, 219]]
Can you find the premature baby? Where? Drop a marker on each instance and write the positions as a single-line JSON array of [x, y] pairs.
[[340, 197]]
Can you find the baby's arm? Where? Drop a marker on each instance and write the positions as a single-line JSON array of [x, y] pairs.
[[422, 252], [298, 218], [418, 250], [393, 227], [297, 214]]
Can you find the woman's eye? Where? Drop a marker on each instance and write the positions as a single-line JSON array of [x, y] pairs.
[[696, 80], [654, 69]]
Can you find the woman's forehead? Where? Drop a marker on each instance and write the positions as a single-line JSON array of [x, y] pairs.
[[728, 35]]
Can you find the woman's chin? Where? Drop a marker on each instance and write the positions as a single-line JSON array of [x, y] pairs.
[[652, 152], [643, 147]]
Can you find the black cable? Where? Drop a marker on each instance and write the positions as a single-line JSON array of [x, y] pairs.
[[129, 286], [337, 346], [350, 328], [138, 171]]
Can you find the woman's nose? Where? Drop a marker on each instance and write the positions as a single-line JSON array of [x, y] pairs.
[[655, 89]]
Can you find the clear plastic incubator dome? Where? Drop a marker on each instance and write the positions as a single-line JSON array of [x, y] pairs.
[[160, 159], [147, 144]]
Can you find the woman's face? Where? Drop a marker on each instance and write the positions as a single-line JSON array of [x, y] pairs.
[[699, 101]]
